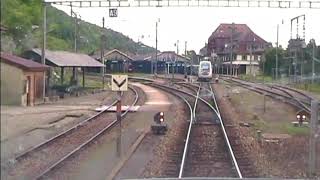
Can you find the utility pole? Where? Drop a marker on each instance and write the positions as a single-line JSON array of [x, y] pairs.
[[43, 49], [102, 52], [175, 59], [313, 59], [313, 137], [75, 31], [295, 64], [74, 70], [231, 54], [277, 52], [156, 47], [185, 64], [250, 59]]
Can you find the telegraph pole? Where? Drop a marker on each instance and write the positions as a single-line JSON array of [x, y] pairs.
[[43, 52]]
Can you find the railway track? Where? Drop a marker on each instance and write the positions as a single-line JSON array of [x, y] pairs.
[[43, 158], [276, 92], [206, 148]]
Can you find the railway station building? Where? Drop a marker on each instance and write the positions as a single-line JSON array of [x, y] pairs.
[[21, 80], [115, 61], [240, 42], [167, 62]]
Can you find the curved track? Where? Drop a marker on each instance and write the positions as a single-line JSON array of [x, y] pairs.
[[41, 159], [206, 148], [276, 92]]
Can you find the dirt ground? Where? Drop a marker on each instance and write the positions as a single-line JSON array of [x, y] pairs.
[[283, 151], [102, 155]]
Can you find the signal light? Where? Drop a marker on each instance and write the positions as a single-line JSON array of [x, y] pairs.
[[161, 116]]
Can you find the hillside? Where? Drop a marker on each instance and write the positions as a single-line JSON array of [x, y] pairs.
[[23, 20]]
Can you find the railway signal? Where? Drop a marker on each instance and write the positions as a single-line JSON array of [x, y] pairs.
[[119, 83], [301, 117], [159, 127]]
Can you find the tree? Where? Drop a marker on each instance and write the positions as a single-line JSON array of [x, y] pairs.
[[270, 60]]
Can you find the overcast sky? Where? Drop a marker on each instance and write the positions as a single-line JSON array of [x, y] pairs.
[[195, 25]]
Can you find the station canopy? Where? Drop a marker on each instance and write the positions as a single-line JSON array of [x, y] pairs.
[[68, 59]]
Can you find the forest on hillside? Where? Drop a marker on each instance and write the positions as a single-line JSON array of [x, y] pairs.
[[23, 19]]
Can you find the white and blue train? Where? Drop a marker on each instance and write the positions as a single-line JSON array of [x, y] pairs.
[[205, 71]]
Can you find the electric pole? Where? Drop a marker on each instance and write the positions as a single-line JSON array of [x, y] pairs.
[[156, 64], [250, 59], [102, 52], [231, 54], [185, 64], [313, 59], [43, 49], [277, 51], [74, 69], [313, 137]]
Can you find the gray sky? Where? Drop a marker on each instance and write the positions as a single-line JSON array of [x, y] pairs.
[[195, 25]]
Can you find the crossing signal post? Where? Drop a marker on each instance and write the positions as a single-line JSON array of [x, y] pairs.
[[119, 83], [159, 126]]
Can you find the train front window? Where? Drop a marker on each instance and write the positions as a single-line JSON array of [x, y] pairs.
[[205, 66]]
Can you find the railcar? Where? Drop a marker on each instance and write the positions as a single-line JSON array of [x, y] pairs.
[[205, 71]]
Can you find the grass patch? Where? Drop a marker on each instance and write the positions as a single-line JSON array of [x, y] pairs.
[[257, 78], [315, 88], [292, 130]]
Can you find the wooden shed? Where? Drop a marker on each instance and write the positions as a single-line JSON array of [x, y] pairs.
[[21, 80]]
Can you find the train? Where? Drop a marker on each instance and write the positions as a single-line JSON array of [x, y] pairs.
[[205, 71]]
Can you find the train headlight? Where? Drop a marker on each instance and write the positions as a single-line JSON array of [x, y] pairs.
[[298, 116], [161, 120], [303, 116], [161, 113]]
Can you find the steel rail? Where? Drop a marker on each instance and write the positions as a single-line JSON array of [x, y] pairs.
[[299, 101], [89, 140], [189, 130], [259, 90], [214, 100], [185, 149], [21, 155], [234, 160], [195, 104]]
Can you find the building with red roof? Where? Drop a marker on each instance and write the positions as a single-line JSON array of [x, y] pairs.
[[21, 80], [239, 40]]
